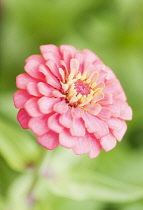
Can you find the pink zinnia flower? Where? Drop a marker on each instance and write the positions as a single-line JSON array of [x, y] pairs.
[[70, 98]]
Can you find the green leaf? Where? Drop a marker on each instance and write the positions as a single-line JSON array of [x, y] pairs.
[[100, 179], [17, 197], [7, 176], [16, 146]]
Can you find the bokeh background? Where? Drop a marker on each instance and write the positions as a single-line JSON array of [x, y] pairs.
[[32, 178]]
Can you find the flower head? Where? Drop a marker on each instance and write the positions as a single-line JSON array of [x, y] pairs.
[[70, 98]]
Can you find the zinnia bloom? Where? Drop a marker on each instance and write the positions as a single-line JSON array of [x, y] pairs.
[[70, 98]]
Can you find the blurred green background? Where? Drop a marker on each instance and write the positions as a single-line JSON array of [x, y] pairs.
[[64, 181]]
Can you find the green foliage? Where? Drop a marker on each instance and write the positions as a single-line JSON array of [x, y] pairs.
[[114, 180]]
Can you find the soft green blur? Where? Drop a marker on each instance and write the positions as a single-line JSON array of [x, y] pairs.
[[32, 177]]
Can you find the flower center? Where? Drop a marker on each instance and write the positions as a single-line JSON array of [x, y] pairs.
[[82, 88]]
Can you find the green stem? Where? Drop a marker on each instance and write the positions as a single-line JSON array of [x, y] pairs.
[[35, 175]]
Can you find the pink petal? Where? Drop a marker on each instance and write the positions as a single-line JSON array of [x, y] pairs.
[[61, 107], [66, 119], [104, 114], [113, 86], [20, 97], [98, 65], [77, 112], [111, 75], [100, 85], [74, 64], [108, 142], [66, 139], [50, 78], [89, 56], [62, 73], [46, 104], [121, 96], [119, 135], [95, 125], [88, 67], [95, 147], [32, 89], [39, 125], [93, 108], [77, 127], [31, 68], [23, 79], [102, 76], [53, 123], [97, 97], [107, 99], [45, 89], [79, 56], [49, 140], [82, 145], [54, 68], [64, 67], [114, 108], [115, 124], [38, 58], [58, 94], [50, 47], [67, 52], [126, 111], [52, 55], [32, 108], [23, 118]]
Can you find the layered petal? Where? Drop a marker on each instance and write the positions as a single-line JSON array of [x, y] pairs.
[[23, 79], [66, 139], [50, 78], [61, 107], [39, 125], [32, 108], [46, 104], [20, 97], [53, 123], [119, 134], [49, 140], [95, 146], [82, 145], [77, 127], [126, 111], [32, 68], [95, 125], [32, 89], [23, 118], [65, 119], [45, 89], [108, 142]]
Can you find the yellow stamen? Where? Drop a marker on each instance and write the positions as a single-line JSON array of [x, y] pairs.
[[87, 81], [70, 82], [73, 99], [72, 74], [64, 86], [78, 76], [84, 76], [93, 85], [92, 92], [79, 96]]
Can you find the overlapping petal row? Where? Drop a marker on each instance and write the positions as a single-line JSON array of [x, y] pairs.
[[70, 98]]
